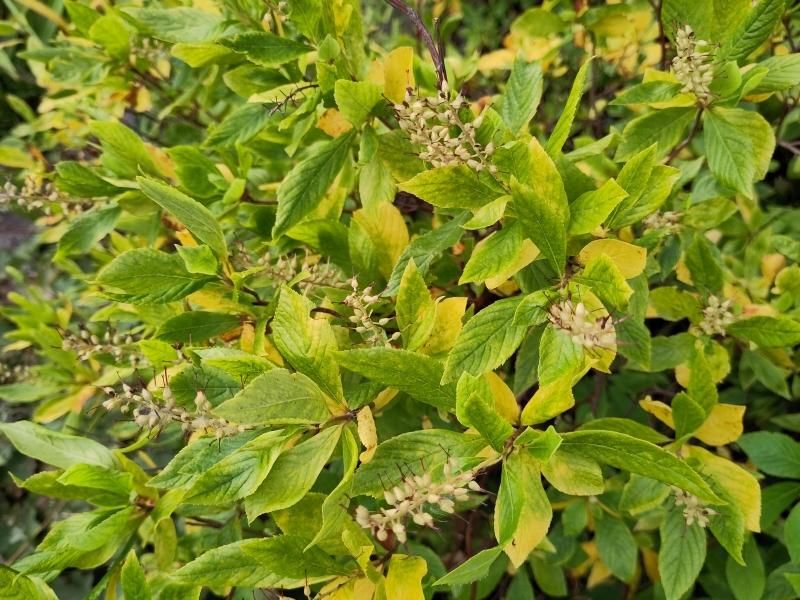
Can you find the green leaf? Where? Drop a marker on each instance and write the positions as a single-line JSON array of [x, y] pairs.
[[124, 153], [266, 49], [102, 479], [753, 30], [783, 73], [637, 456], [540, 444], [571, 473], [451, 187], [293, 474], [714, 20], [626, 426], [767, 332], [239, 126], [559, 356], [55, 448], [86, 230], [356, 99], [664, 128], [134, 585], [240, 473], [416, 311], [605, 280], [197, 458], [486, 341], [275, 562], [483, 417], [740, 144], [791, 534], [277, 397], [78, 180], [426, 248], [561, 130], [616, 546], [179, 24], [542, 208], [308, 344], [411, 372], [522, 95], [15, 586], [473, 569], [773, 453], [194, 216], [149, 276], [688, 415], [494, 255], [304, 187], [522, 512], [426, 450], [198, 259], [704, 266], [590, 209], [647, 93], [196, 326], [747, 581]]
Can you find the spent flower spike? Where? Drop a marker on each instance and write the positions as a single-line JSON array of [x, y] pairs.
[[717, 316], [692, 66], [414, 497], [693, 510], [578, 322]]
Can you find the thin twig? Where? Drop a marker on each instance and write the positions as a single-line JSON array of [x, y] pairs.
[[436, 52], [695, 128]]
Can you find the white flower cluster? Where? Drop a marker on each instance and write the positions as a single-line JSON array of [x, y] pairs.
[[717, 316], [361, 302], [86, 343], [667, 221], [149, 414], [413, 497], [32, 196], [585, 330], [691, 65], [693, 510], [431, 123], [285, 269]]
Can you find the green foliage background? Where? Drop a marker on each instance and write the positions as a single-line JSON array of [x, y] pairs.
[[376, 300]]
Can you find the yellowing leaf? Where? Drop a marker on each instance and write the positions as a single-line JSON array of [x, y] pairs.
[[447, 326], [661, 411], [549, 401], [333, 123], [398, 74], [367, 433], [505, 403], [738, 482], [629, 259], [404, 579], [722, 426], [527, 254]]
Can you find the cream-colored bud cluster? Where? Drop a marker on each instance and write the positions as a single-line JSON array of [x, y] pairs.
[[717, 316], [693, 510], [362, 301], [9, 374], [667, 221], [35, 197], [149, 49], [150, 414], [578, 322], [692, 66], [86, 344], [434, 123], [413, 498]]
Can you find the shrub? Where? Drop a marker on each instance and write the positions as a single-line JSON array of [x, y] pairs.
[[317, 310]]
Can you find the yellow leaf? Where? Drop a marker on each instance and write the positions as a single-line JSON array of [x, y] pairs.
[[650, 561], [629, 259], [185, 238], [247, 337], [386, 229], [505, 403], [333, 123], [722, 426], [493, 61], [549, 401], [447, 325], [661, 411], [398, 73], [735, 480], [367, 433], [527, 254], [404, 579]]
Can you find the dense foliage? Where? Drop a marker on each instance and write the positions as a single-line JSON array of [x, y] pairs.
[[339, 300]]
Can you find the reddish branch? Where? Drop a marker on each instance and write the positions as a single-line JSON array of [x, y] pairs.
[[436, 50]]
